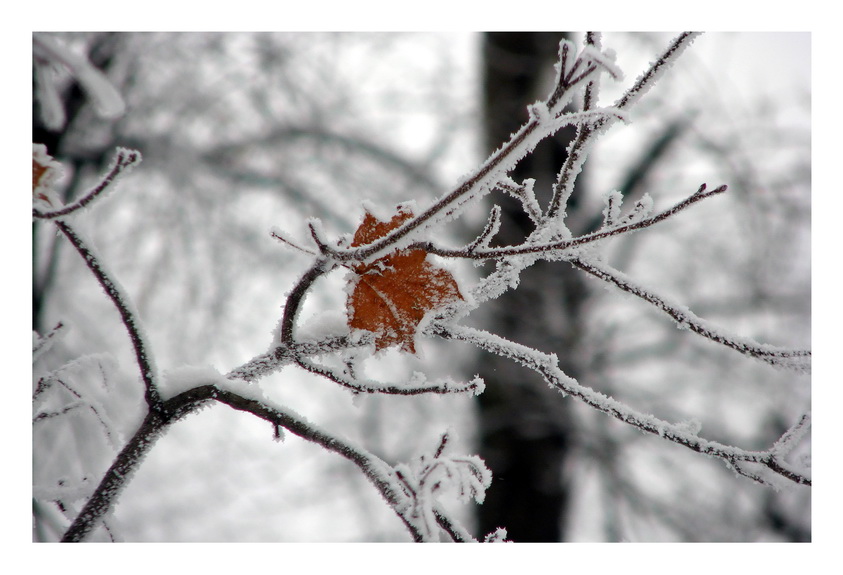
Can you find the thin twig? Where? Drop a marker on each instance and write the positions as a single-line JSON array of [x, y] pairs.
[[296, 297], [124, 159], [441, 388], [590, 94], [492, 227], [44, 342], [646, 80], [278, 236]]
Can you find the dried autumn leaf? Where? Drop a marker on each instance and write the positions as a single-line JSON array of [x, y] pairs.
[[45, 171], [391, 295]]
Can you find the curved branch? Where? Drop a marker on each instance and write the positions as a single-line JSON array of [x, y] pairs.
[[296, 297], [376, 470], [128, 314], [475, 386], [124, 159]]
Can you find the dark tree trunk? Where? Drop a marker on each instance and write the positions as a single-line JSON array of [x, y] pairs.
[[526, 435]]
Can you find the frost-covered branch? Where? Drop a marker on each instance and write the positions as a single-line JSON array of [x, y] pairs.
[[468, 473], [587, 133], [117, 476], [547, 366], [417, 385], [552, 249], [129, 316], [43, 343], [124, 160], [546, 118], [798, 360], [281, 355], [423, 478]]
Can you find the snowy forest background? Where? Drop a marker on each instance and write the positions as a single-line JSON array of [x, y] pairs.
[[245, 133]]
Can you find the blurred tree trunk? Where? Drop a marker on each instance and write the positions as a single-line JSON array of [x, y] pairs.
[[524, 426]]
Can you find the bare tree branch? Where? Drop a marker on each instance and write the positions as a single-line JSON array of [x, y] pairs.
[[130, 318]]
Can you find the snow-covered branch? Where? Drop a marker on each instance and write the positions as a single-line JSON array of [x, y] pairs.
[[124, 160], [125, 307], [797, 360], [417, 385], [546, 118], [547, 365], [553, 250], [410, 490], [587, 133]]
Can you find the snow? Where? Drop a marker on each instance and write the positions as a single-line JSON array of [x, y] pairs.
[[385, 213], [181, 379], [329, 323], [538, 112], [606, 59]]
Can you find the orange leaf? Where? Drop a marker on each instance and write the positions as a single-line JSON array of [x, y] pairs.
[[45, 171], [391, 295]]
